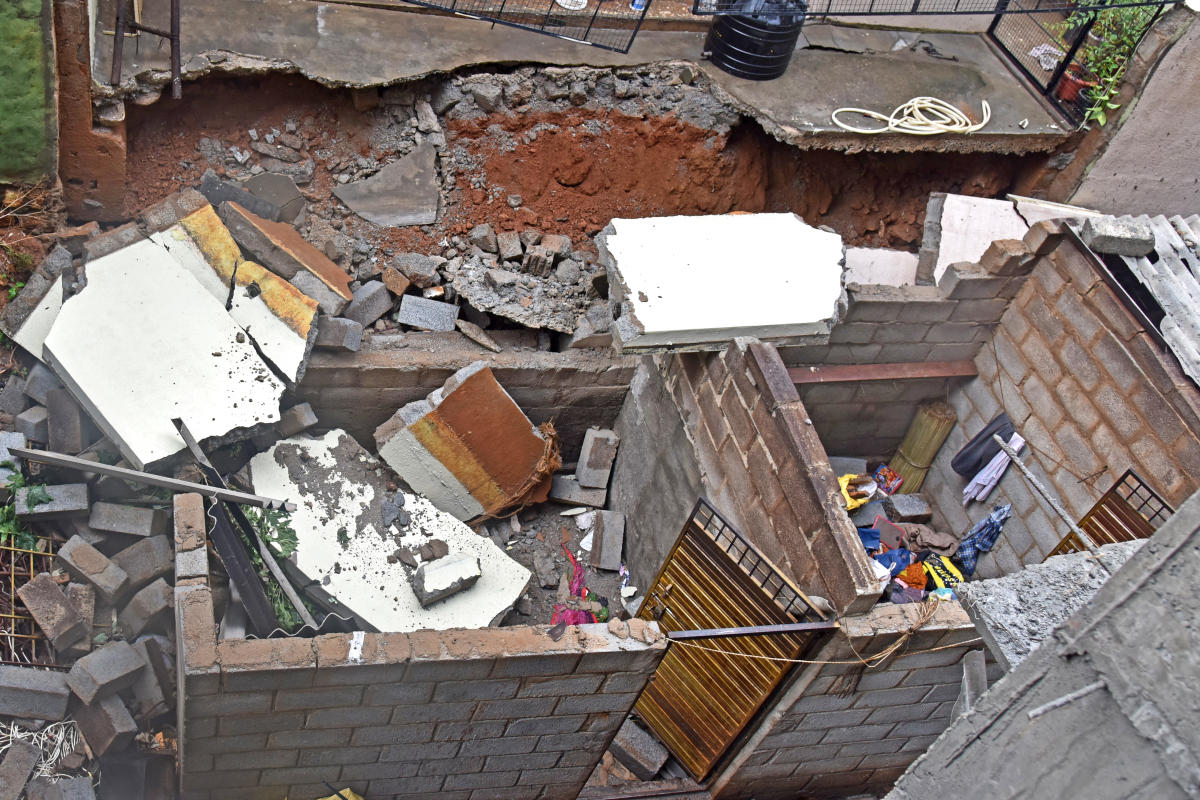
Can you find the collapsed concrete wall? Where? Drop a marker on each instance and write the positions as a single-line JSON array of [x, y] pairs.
[[466, 714], [1091, 392], [752, 450], [843, 727], [1131, 734]]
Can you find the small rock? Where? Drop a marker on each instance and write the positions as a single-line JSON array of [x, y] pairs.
[[483, 237], [487, 96]]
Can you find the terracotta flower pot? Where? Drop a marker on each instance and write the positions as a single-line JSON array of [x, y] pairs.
[[1070, 85]]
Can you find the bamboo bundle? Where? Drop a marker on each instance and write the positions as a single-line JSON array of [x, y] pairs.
[[924, 438]]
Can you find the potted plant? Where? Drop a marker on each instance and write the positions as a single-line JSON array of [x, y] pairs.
[[1114, 35]]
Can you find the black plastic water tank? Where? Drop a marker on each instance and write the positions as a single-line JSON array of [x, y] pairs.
[[757, 48]]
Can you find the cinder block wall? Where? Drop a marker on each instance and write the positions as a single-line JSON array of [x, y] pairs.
[[845, 728], [1089, 389], [359, 391], [751, 449], [496, 713], [894, 324]]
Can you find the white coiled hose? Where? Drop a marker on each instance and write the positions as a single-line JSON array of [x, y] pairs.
[[921, 116]]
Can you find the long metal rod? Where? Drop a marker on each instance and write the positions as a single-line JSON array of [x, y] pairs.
[[146, 479], [753, 630]]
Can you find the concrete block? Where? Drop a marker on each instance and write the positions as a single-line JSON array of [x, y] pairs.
[[907, 508], [428, 315], [40, 382], [87, 564], [147, 560], [483, 237], [33, 424], [67, 432], [13, 399], [608, 539], [19, 761], [218, 191], [106, 725], [10, 465], [279, 191], [31, 693], [509, 246], [596, 458], [638, 751], [151, 696], [149, 609], [83, 598], [191, 564], [420, 270], [296, 419], [1121, 236], [405, 192], [371, 301], [130, 520], [338, 333], [565, 489], [105, 671], [54, 614], [444, 577], [61, 789], [328, 299]]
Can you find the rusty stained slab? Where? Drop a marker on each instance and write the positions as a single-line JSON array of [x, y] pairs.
[[469, 447]]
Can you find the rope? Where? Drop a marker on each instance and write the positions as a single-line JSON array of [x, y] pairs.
[[921, 116]]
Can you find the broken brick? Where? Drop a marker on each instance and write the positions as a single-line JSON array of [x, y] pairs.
[[31, 693], [596, 458], [395, 281], [130, 520], [54, 614], [105, 671], [151, 695], [87, 564], [218, 191], [509, 245], [144, 561], [437, 580], [106, 726], [421, 270], [149, 609], [13, 399], [338, 333]]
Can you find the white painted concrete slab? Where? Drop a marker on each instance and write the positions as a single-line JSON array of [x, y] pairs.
[[880, 267], [1033, 210], [333, 493], [143, 343], [970, 225], [704, 279], [32, 335]]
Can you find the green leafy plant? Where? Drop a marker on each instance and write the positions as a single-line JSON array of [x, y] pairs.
[[273, 527], [15, 289], [37, 495], [11, 530], [1104, 57], [288, 619]]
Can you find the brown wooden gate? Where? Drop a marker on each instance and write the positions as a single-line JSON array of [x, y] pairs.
[[1129, 510], [699, 700]]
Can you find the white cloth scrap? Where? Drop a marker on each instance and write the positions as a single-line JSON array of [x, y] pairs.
[[986, 479]]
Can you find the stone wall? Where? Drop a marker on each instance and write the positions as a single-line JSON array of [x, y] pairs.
[[753, 452], [27, 113], [501, 713], [845, 729], [1093, 394], [359, 391], [1133, 736]]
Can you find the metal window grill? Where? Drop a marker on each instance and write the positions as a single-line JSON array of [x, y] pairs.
[[1129, 510], [852, 8], [21, 642], [754, 564]]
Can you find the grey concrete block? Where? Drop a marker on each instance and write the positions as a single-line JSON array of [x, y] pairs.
[[371, 301], [329, 301], [565, 489], [105, 671], [608, 540], [191, 564], [66, 422], [61, 789], [907, 508], [10, 465], [33, 424], [429, 315], [1121, 236], [338, 333], [151, 696], [596, 458], [40, 383], [279, 191], [31, 693], [58, 620], [13, 399], [130, 520], [144, 561], [640, 752], [106, 725], [66, 500], [87, 564], [420, 269], [483, 237], [83, 598], [149, 609], [296, 419], [19, 761]]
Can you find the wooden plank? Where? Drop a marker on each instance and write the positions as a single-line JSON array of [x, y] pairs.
[[850, 373]]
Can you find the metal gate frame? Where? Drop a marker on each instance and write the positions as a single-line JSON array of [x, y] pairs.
[[1129, 510], [699, 701]]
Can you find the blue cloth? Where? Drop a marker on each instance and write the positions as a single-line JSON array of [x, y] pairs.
[[982, 538], [870, 538], [895, 560]]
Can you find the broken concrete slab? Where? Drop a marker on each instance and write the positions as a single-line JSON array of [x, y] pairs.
[[57, 618], [34, 424], [469, 448], [296, 419], [130, 520], [278, 190], [19, 760], [608, 540], [105, 671], [638, 751], [39, 503], [663, 271], [405, 192], [87, 564], [28, 316], [136, 346], [535, 302], [281, 249], [477, 335], [880, 266], [150, 609], [960, 228], [371, 301], [426, 315], [596, 458], [31, 693], [435, 581], [343, 545], [106, 726], [217, 191], [338, 333], [277, 315], [1120, 236], [565, 489], [147, 560]]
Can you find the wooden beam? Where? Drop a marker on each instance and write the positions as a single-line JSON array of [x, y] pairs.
[[849, 373]]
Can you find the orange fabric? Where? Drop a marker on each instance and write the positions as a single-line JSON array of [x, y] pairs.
[[913, 575]]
